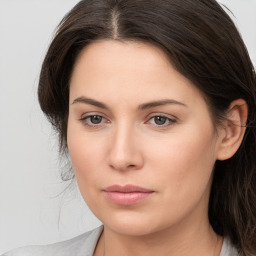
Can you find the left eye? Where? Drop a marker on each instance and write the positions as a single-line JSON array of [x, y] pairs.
[[161, 120]]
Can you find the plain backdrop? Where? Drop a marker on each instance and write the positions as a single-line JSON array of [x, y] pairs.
[[32, 208]]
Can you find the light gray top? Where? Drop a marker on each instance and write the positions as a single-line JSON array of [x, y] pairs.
[[84, 245]]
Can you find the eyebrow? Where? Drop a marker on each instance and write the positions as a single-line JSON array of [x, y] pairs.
[[140, 107], [90, 102], [160, 103]]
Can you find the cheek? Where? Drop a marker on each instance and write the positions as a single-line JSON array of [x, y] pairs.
[[182, 171], [185, 162], [85, 155], [87, 167]]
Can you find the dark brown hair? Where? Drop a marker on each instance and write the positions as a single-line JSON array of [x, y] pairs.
[[204, 45]]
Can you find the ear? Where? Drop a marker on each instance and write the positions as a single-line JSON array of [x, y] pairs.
[[232, 131]]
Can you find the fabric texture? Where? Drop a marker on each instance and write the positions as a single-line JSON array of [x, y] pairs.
[[228, 249], [84, 245]]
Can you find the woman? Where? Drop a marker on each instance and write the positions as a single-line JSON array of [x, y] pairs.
[[154, 101]]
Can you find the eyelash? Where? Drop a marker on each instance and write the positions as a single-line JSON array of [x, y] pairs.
[[170, 121], [87, 120]]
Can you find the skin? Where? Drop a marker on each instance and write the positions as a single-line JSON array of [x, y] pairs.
[[124, 144]]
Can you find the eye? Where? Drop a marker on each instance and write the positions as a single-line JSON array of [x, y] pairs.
[[93, 120], [161, 121]]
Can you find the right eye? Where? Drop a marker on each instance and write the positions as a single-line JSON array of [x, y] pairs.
[[93, 120]]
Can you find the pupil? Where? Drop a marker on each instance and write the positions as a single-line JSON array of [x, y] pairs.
[[96, 119], [160, 120]]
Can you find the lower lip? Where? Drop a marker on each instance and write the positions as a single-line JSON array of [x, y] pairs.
[[129, 198]]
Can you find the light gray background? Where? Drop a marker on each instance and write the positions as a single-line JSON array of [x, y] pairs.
[[30, 211]]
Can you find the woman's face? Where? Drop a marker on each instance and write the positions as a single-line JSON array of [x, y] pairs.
[[141, 139]]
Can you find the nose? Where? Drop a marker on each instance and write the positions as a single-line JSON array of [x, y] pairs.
[[125, 150]]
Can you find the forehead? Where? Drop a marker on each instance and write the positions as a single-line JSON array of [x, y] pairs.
[[121, 60], [130, 71]]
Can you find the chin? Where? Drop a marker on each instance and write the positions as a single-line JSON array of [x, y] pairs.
[[133, 224], [134, 229]]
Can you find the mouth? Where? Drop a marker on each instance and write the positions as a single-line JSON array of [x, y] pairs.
[[126, 195]]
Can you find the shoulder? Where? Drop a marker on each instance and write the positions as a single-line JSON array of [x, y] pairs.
[[83, 245], [228, 249]]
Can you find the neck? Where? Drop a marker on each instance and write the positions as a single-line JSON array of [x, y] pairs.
[[199, 240]]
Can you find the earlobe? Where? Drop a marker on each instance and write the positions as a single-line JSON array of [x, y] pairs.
[[233, 130]]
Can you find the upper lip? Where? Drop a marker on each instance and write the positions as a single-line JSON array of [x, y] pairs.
[[127, 189]]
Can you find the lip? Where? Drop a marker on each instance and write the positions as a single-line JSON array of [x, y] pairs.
[[126, 195]]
